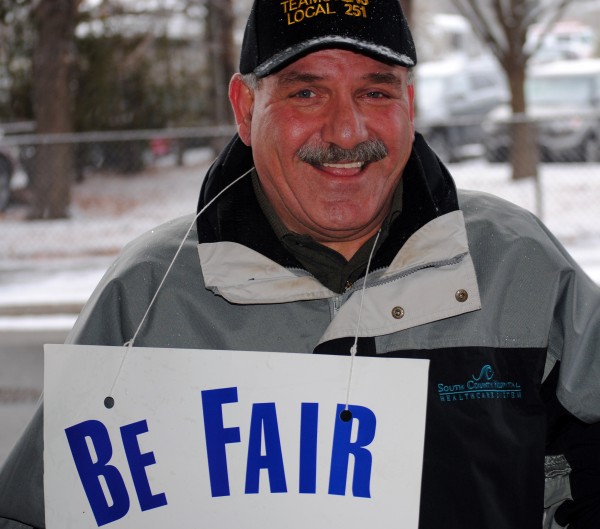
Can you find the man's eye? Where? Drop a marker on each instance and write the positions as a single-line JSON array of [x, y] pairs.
[[374, 94], [304, 94]]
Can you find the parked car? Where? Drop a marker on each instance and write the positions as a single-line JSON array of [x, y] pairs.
[[452, 98], [563, 101]]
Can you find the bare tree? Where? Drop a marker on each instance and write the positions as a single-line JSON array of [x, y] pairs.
[[53, 55], [502, 25]]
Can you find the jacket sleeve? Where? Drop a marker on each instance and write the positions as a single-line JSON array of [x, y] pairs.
[[574, 416], [21, 477], [574, 341], [579, 443], [11, 524], [109, 317], [21, 480]]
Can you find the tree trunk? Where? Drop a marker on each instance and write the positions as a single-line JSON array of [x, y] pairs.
[[524, 155], [502, 26], [219, 39], [53, 167]]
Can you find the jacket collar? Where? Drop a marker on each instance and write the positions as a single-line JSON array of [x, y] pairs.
[[242, 275], [429, 192]]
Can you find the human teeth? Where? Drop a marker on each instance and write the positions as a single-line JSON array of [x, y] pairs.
[[352, 165]]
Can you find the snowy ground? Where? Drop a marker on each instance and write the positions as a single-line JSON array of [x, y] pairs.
[[59, 262]]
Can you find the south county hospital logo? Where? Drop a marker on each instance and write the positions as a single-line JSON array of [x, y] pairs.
[[484, 385]]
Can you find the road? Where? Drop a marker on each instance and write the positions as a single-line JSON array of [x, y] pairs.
[[21, 380]]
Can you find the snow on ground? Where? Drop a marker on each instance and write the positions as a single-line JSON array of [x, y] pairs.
[[107, 211], [60, 262]]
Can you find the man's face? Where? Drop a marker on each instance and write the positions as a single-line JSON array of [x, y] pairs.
[[330, 99]]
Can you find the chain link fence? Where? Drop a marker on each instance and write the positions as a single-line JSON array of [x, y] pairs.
[[128, 182], [124, 183]]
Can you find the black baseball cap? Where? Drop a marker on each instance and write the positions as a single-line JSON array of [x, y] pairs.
[[278, 32]]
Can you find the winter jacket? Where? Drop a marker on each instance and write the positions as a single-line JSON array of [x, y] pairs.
[[474, 284]]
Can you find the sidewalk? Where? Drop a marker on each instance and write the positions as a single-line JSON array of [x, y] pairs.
[[55, 289]]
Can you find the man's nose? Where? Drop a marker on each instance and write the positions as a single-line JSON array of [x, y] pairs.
[[345, 123]]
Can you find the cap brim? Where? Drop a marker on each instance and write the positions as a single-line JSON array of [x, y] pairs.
[[289, 55]]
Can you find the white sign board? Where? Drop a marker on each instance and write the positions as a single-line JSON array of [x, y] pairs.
[[230, 439]]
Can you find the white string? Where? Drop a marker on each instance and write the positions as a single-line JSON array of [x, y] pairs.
[[129, 344], [354, 348]]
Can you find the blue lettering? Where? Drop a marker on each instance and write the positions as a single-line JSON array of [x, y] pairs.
[[137, 464], [350, 438], [343, 447], [308, 447], [264, 421], [217, 436], [91, 471]]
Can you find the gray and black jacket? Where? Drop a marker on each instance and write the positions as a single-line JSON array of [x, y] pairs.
[[474, 284]]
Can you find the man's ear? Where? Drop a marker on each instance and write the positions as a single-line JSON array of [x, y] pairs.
[[411, 100], [242, 102]]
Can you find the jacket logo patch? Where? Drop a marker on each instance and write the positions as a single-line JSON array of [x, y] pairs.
[[483, 385]]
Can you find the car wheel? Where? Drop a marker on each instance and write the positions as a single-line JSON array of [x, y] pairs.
[[591, 149], [5, 176]]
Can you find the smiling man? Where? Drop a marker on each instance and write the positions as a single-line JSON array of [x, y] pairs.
[[347, 125], [328, 198]]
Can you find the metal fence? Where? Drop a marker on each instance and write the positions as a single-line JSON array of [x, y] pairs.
[[129, 182], [124, 183]]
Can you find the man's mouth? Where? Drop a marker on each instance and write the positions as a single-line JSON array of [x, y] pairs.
[[349, 165], [334, 157]]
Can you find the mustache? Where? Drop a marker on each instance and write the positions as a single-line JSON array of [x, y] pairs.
[[364, 152]]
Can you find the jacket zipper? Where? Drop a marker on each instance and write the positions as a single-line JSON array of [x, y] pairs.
[[400, 275], [338, 300], [336, 304]]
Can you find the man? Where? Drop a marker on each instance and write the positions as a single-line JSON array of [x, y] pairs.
[[342, 184]]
